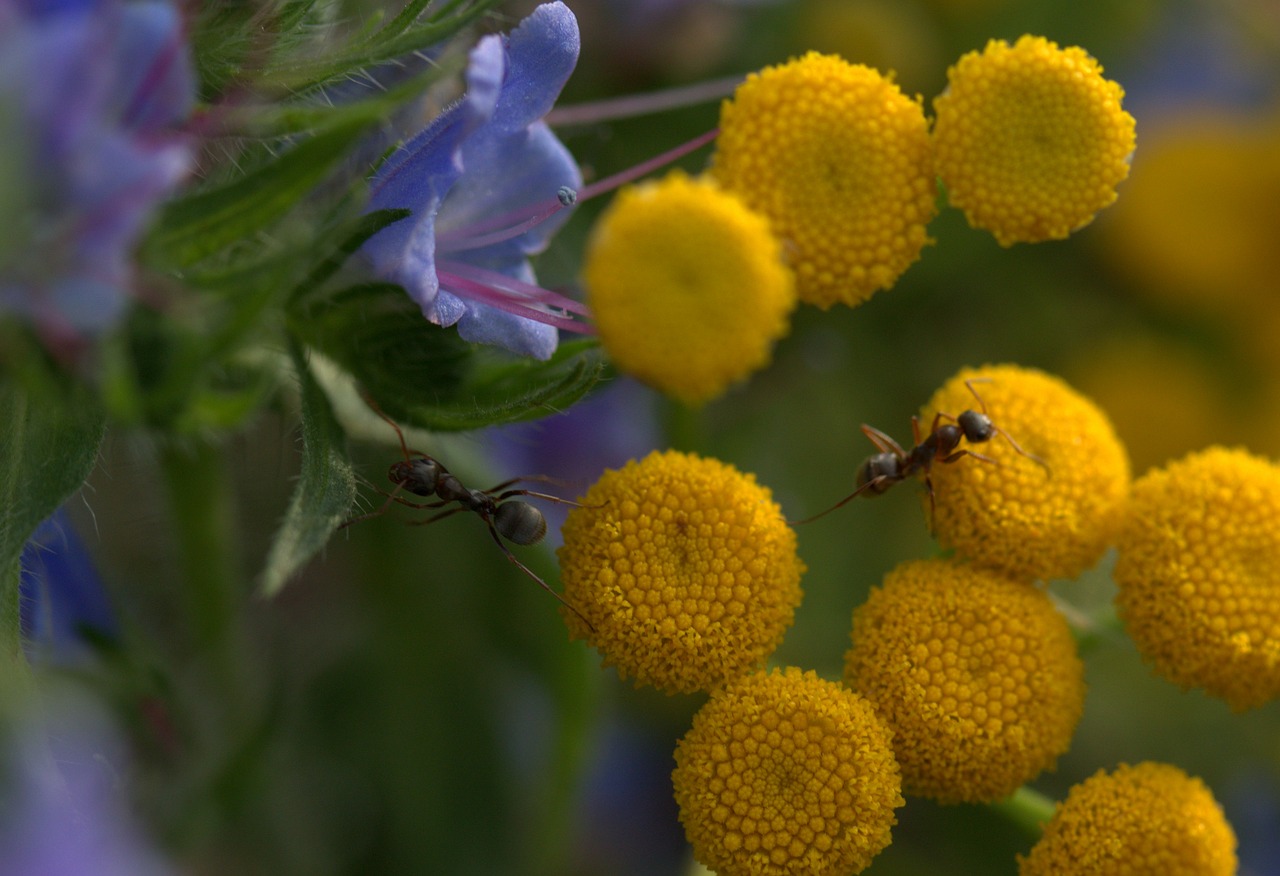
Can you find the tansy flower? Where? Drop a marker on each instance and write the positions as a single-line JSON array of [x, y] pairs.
[[687, 286], [1031, 140], [1146, 820], [1051, 516], [686, 569], [976, 675], [482, 182], [1198, 571], [839, 159], [786, 774]]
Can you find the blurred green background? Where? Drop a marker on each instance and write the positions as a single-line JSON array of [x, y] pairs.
[[410, 704]]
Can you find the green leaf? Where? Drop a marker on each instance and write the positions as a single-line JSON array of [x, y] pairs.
[[48, 445], [326, 486], [197, 226], [427, 376]]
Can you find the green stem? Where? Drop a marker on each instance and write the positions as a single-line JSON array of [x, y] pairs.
[[1027, 809], [200, 505]]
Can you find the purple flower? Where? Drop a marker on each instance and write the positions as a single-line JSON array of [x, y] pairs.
[[63, 809], [482, 182], [90, 94], [62, 594]]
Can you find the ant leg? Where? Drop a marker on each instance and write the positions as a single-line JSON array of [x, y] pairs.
[[883, 442], [434, 517], [1031, 456], [933, 505], [965, 452], [391, 497], [547, 496], [869, 485], [969, 384], [543, 584], [373, 406]]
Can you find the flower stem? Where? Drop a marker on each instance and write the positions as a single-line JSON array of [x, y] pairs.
[[196, 483], [1027, 809]]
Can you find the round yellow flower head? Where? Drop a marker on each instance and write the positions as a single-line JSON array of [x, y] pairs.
[[686, 569], [687, 286], [1198, 571], [1031, 140], [839, 159], [976, 675], [786, 774], [1047, 512], [1146, 820]]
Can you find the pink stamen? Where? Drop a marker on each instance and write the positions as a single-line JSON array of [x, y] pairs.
[[499, 228], [487, 294], [518, 288], [609, 183], [643, 104]]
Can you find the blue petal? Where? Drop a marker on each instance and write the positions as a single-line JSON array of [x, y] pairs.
[[419, 175], [541, 55], [155, 81], [486, 324]]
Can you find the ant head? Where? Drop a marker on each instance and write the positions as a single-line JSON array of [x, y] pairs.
[[976, 426], [880, 472], [520, 522], [419, 475]]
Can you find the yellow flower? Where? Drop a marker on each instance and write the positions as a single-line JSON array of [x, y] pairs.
[[1198, 572], [1031, 520], [977, 676], [685, 568], [1031, 140], [1146, 820], [786, 774], [839, 160], [687, 286]]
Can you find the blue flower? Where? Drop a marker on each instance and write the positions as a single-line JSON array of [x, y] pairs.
[[482, 181], [62, 594], [90, 94]]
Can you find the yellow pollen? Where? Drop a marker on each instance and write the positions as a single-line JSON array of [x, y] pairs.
[[1029, 520], [687, 286], [685, 568], [977, 676], [1031, 140], [786, 774], [1198, 571], [1146, 820], [840, 161]]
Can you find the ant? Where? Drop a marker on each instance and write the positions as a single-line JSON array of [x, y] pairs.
[[893, 465], [506, 516]]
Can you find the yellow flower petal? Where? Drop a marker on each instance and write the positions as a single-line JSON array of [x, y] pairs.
[[687, 287], [686, 569], [1031, 140], [839, 159], [977, 676], [786, 773]]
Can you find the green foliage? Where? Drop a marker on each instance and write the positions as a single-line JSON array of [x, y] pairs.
[[326, 485]]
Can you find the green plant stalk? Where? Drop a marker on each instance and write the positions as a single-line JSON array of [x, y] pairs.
[[197, 487], [1027, 809]]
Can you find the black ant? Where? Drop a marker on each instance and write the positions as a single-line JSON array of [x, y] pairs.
[[506, 516], [893, 465]]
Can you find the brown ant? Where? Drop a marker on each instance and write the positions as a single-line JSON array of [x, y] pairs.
[[893, 465], [505, 516]]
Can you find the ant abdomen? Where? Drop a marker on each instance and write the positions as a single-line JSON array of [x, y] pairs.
[[878, 473], [520, 522]]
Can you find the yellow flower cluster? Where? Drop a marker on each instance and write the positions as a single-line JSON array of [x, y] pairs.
[[1031, 140], [977, 676], [839, 159], [786, 774], [688, 286], [1146, 820], [685, 568], [1051, 516], [1198, 573]]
